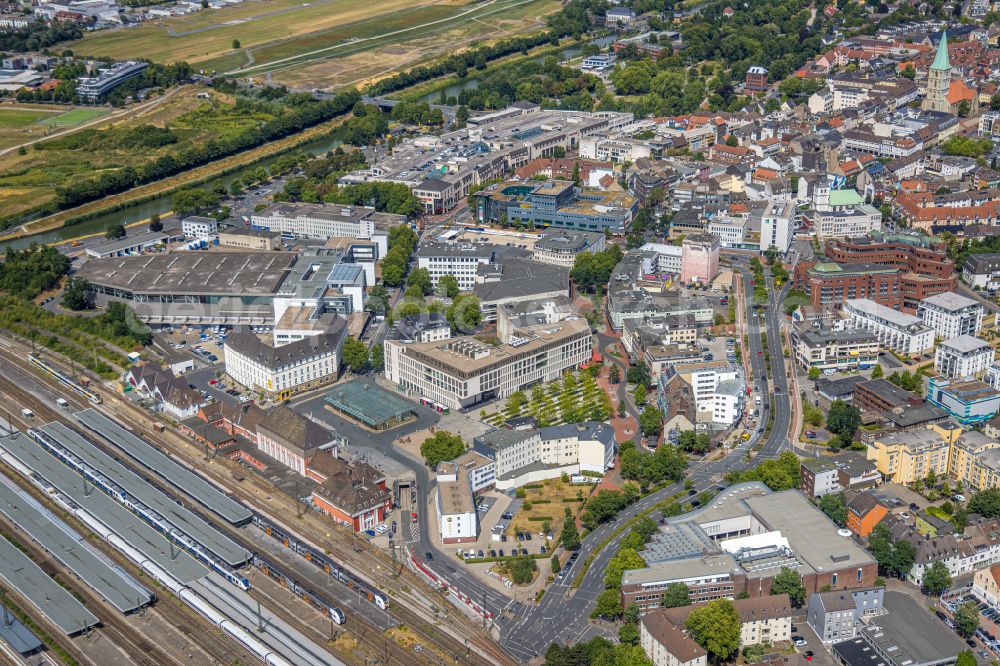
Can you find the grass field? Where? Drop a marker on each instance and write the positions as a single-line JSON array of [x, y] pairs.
[[28, 181], [74, 117], [325, 44], [207, 35], [21, 123]]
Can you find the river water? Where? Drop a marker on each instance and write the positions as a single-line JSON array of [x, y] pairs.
[[143, 211]]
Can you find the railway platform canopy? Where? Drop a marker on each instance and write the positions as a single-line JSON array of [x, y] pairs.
[[369, 404], [18, 572]]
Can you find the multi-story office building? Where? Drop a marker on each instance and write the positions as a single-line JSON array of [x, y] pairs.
[[856, 221], [900, 332], [831, 284], [199, 227], [556, 203], [324, 221], [699, 258], [830, 348], [951, 315], [458, 519], [914, 252], [428, 327], [450, 258], [661, 259], [964, 356], [464, 371], [279, 372], [717, 387], [562, 246], [835, 474], [530, 454], [967, 401], [94, 88]]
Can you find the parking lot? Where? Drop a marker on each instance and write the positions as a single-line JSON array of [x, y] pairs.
[[984, 643]]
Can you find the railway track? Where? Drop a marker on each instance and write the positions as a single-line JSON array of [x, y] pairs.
[[487, 652], [170, 610]]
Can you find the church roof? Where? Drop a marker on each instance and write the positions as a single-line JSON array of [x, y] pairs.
[[959, 92], [941, 59]]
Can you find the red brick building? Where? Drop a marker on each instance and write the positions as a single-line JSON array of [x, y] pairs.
[[932, 260], [352, 493], [756, 79], [831, 284]]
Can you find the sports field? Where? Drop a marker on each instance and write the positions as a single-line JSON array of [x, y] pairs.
[[74, 117], [20, 123]]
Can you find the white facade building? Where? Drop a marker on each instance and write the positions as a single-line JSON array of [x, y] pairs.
[[661, 258], [459, 259], [900, 332], [964, 356], [199, 227], [326, 221], [458, 520], [777, 226], [858, 221], [951, 315], [282, 371]]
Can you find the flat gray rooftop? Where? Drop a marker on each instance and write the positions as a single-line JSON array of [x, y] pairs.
[[225, 548], [176, 474], [911, 634], [124, 523], [72, 551], [16, 634], [182, 273], [19, 573]]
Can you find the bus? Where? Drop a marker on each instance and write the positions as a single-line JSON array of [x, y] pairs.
[[436, 406]]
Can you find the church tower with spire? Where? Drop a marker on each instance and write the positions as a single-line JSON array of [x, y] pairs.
[[939, 79]]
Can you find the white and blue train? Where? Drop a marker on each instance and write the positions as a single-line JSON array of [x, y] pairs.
[[133, 504]]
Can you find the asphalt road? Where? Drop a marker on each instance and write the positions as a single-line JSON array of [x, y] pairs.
[[563, 613]]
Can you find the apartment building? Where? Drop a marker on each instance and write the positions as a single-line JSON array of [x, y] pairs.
[[905, 457], [900, 332], [982, 271], [717, 387], [763, 620], [666, 644], [835, 474], [986, 585], [964, 356], [777, 226], [831, 348], [836, 615], [280, 372], [529, 454], [951, 315], [464, 371]]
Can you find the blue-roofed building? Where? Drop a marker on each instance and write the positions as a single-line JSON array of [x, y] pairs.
[[968, 401]]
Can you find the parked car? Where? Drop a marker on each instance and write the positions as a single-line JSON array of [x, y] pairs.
[[798, 641], [429, 556]]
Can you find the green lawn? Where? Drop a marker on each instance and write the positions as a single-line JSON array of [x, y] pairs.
[[74, 117], [12, 118]]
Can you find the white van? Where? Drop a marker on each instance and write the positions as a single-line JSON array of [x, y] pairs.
[[27, 413], [62, 403]]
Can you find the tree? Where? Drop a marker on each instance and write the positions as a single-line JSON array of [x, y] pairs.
[[877, 371], [441, 446], [833, 506], [154, 223], [236, 43], [843, 419], [967, 618], [640, 395], [570, 536], [639, 374], [420, 278], [716, 627], [986, 503], [789, 582], [614, 374], [522, 569], [355, 354], [448, 285], [556, 566], [814, 373], [966, 658], [909, 71], [676, 594], [78, 295], [465, 312], [609, 605], [651, 421], [937, 578], [115, 231], [376, 356]]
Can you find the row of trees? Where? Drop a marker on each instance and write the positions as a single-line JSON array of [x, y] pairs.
[[402, 242], [299, 116], [29, 272]]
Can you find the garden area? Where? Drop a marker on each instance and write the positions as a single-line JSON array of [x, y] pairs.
[[544, 505], [574, 398]]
